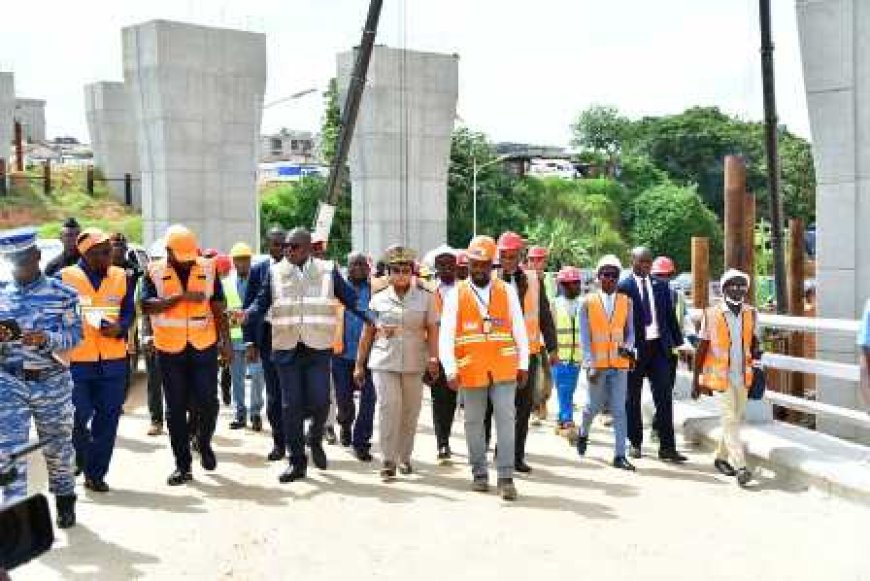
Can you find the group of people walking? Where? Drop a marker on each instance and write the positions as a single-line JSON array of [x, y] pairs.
[[481, 331]]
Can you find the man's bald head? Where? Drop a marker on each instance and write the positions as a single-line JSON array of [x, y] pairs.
[[298, 246], [275, 238], [358, 268], [641, 261]]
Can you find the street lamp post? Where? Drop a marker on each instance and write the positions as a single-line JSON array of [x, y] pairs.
[[475, 169]]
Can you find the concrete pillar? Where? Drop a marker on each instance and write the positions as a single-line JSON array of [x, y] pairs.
[[31, 114], [835, 48], [197, 95], [401, 148], [7, 115], [113, 136]]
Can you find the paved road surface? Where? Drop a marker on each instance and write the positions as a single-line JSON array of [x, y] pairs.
[[573, 520]]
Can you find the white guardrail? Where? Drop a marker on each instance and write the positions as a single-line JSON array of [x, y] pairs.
[[843, 371]]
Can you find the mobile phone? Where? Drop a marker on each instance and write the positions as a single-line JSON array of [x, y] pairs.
[[25, 531], [11, 329]]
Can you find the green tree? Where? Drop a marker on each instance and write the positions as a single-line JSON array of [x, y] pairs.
[[666, 217], [600, 128], [331, 123]]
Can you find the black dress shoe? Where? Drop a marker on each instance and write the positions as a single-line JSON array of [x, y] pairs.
[[635, 452], [362, 454], [331, 439], [444, 453], [724, 467], [208, 459], [521, 466], [237, 424], [292, 474], [623, 464], [582, 444], [406, 468], [96, 485], [744, 477], [275, 455], [318, 456], [256, 423], [671, 456], [66, 511], [345, 437], [179, 477]]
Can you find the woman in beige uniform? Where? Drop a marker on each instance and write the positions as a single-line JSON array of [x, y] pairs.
[[402, 345]]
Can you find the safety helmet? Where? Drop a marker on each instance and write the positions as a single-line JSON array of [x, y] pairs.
[[241, 250], [569, 274], [608, 260], [662, 265], [511, 241], [182, 242], [482, 248], [223, 264], [538, 252]]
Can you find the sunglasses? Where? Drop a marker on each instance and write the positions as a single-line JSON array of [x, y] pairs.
[[608, 275]]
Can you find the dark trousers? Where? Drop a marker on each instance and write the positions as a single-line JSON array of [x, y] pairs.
[[524, 401], [304, 376], [274, 412], [362, 424], [190, 382], [155, 387], [97, 402], [673, 361], [443, 410], [653, 364]]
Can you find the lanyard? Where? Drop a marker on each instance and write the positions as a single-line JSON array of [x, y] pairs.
[[487, 320]]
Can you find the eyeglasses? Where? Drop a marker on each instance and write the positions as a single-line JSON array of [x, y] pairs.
[[608, 275]]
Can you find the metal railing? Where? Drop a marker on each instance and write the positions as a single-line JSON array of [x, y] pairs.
[[819, 368]]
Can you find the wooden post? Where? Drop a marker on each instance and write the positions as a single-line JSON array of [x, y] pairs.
[[735, 199], [19, 148], [89, 185], [700, 272], [128, 189], [796, 296], [749, 230], [46, 177], [3, 190]]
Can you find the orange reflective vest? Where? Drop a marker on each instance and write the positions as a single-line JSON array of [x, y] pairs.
[[486, 352], [99, 304], [532, 311], [607, 334], [338, 338], [715, 368], [187, 322]]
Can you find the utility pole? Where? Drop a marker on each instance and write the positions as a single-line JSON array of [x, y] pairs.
[[770, 134]]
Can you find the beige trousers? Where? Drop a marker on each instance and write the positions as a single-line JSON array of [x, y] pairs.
[[400, 396], [732, 404]]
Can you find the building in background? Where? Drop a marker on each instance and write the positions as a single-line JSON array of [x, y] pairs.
[[31, 114], [299, 147]]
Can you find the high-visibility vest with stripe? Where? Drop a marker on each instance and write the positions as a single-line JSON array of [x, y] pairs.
[[567, 332], [484, 357], [715, 368], [531, 310], [607, 334], [187, 322], [103, 303], [303, 306], [234, 302]]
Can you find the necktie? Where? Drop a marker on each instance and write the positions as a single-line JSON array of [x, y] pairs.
[[647, 307]]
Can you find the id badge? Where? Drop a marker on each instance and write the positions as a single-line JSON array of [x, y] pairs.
[[487, 326]]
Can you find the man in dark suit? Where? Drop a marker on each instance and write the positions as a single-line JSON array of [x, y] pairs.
[[257, 334], [657, 331]]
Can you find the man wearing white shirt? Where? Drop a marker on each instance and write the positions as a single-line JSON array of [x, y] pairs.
[[484, 349]]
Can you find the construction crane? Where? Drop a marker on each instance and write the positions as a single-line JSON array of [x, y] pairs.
[[350, 111]]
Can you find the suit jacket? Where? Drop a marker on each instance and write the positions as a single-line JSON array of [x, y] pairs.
[[669, 327], [256, 329]]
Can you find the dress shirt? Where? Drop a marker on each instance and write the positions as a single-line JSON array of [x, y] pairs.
[[652, 330], [447, 336]]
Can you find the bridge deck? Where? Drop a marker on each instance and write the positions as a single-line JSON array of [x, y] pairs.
[[572, 519]]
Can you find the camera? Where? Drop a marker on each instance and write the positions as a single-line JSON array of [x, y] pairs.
[[26, 530]]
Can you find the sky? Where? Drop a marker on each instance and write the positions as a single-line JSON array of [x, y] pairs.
[[527, 68]]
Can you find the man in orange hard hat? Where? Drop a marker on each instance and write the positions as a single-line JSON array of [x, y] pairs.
[[184, 298], [540, 329], [483, 347]]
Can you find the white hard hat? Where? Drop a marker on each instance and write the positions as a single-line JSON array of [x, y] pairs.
[[429, 259], [732, 273], [609, 260], [157, 249]]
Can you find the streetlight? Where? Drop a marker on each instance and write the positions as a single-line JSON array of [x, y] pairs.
[[475, 170], [292, 97]]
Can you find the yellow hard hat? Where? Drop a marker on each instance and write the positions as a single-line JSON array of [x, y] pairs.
[[241, 250]]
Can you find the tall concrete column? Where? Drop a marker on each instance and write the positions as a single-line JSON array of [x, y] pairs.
[[113, 136], [7, 114], [401, 148], [835, 48], [197, 95]]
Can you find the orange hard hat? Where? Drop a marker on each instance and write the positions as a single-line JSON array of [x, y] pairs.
[[482, 248], [511, 241], [569, 274], [538, 252], [663, 265], [182, 242]]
